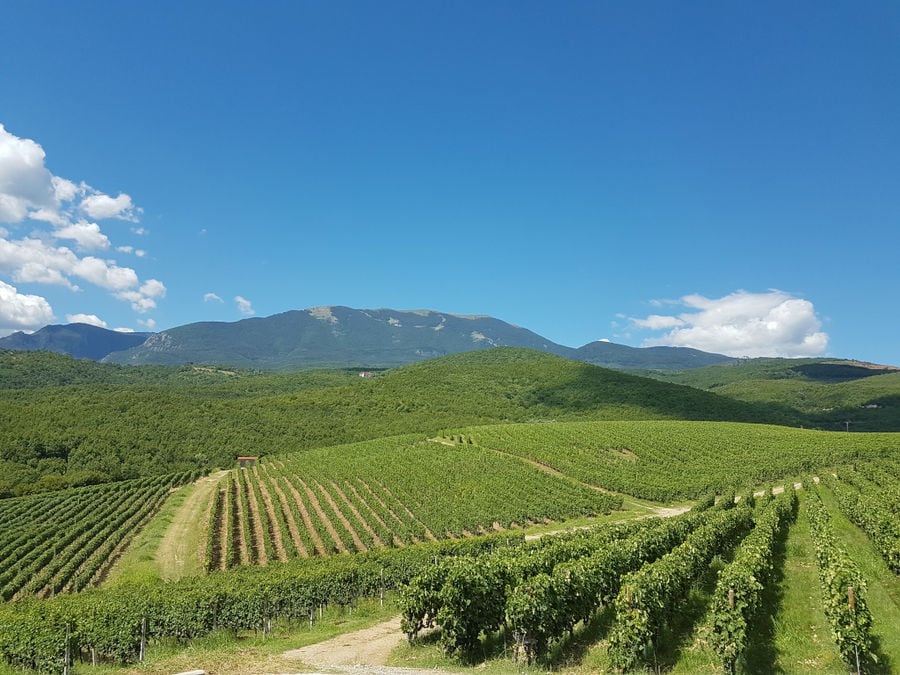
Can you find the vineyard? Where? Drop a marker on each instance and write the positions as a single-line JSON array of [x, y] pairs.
[[665, 461], [67, 541], [436, 526], [386, 493]]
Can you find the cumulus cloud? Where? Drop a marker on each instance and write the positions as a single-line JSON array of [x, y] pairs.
[[149, 324], [102, 206], [244, 306], [19, 311], [87, 235], [774, 323], [64, 211], [91, 319], [211, 297]]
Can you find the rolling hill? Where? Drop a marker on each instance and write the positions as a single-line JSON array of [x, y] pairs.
[[117, 422]]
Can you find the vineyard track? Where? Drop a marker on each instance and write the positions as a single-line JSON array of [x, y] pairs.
[[172, 551], [362, 521], [357, 542], [285, 507], [367, 647], [258, 530], [387, 509], [307, 520], [428, 533], [273, 521], [326, 521]]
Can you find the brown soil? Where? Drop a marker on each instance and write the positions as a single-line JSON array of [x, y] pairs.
[[317, 507], [256, 524], [307, 520], [288, 516], [368, 647], [239, 537], [362, 521], [428, 533], [378, 499], [274, 525], [357, 542]]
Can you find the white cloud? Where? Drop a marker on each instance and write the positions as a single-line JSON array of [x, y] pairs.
[[123, 329], [101, 206], [658, 322], [150, 324], [211, 297], [87, 235], [775, 323], [244, 306], [25, 183], [19, 311], [29, 191], [91, 319]]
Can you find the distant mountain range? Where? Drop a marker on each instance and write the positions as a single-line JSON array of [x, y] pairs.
[[336, 337]]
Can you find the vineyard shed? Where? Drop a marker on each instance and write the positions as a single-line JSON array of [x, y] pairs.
[[247, 461]]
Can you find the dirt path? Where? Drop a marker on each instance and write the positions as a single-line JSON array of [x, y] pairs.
[[178, 551], [361, 651]]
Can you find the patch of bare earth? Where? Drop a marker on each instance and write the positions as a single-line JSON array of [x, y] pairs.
[[362, 651], [256, 524], [239, 535]]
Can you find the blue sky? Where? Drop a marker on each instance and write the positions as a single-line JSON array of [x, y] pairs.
[[707, 174]]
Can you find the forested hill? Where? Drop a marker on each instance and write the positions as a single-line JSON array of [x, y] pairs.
[[339, 337], [88, 421]]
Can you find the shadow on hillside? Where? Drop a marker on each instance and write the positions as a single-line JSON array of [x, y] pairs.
[[884, 417], [594, 388]]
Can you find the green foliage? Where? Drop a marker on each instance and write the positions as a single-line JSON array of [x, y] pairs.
[[64, 540], [666, 460], [874, 509], [647, 598], [740, 585], [121, 422], [843, 588], [32, 633]]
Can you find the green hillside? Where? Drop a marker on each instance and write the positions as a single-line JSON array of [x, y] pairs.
[[825, 392], [62, 419]]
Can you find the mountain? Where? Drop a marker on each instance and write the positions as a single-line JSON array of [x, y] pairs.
[[323, 337], [80, 340], [622, 357], [332, 337]]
